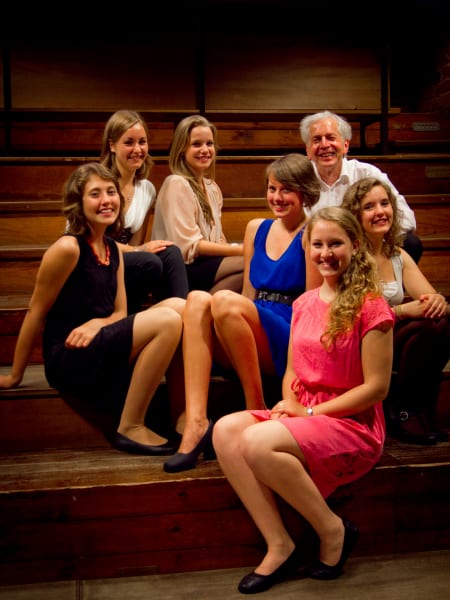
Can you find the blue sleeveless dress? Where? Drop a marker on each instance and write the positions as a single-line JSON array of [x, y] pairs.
[[287, 276]]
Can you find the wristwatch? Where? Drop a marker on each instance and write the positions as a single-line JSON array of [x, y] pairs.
[[309, 411]]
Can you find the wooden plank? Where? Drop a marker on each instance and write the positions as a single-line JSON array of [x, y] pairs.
[[45, 75], [349, 79], [413, 129], [40, 221], [19, 265], [238, 176], [77, 136], [82, 503]]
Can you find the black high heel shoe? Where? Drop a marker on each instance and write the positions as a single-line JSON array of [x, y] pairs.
[[184, 461], [253, 583], [319, 570]]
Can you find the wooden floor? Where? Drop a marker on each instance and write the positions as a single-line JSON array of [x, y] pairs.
[[414, 576]]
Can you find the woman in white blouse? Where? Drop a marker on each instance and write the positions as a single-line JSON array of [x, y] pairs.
[[188, 210], [155, 267]]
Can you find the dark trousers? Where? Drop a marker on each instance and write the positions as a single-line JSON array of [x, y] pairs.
[[413, 246], [159, 276], [421, 351]]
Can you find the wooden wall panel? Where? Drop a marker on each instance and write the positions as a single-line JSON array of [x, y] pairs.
[[104, 77], [2, 91], [283, 72]]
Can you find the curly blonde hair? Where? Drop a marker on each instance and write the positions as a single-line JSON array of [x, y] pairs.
[[352, 200], [358, 281]]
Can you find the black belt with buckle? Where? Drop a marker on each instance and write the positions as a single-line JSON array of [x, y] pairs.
[[275, 297]]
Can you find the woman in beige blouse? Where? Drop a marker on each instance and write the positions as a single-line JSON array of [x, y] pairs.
[[189, 208]]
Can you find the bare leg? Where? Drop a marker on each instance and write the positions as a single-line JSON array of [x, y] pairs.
[[156, 335], [177, 304], [176, 390], [198, 356], [260, 459], [175, 372], [241, 334]]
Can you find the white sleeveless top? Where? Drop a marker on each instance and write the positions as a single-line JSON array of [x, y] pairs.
[[143, 198], [393, 290]]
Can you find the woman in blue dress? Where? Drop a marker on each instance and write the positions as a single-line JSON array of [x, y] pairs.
[[249, 332]]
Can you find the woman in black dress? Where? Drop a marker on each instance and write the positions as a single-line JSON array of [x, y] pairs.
[[91, 348]]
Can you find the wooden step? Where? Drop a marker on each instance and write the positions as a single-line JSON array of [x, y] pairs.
[[71, 507], [33, 221], [19, 265], [239, 176], [413, 130], [28, 227], [97, 513], [40, 418], [40, 222], [240, 132]]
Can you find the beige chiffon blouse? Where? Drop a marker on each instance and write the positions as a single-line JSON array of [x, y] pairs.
[[179, 217]]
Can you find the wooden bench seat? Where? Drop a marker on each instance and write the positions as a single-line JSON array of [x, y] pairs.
[[239, 176], [28, 226], [69, 133], [426, 130], [97, 513], [33, 221], [19, 265], [42, 418], [71, 507]]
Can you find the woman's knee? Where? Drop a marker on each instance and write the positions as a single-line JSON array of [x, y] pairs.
[[171, 250], [175, 303], [151, 264], [169, 320], [198, 300], [224, 302], [229, 428]]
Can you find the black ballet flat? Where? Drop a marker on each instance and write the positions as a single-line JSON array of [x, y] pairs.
[[319, 570], [124, 444], [253, 583], [184, 461]]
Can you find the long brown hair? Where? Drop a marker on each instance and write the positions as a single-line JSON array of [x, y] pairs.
[[359, 279], [177, 159], [116, 126], [73, 191]]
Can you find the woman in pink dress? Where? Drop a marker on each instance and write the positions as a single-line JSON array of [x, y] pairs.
[[328, 429]]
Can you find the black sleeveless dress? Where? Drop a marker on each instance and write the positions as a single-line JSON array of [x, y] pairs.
[[100, 372]]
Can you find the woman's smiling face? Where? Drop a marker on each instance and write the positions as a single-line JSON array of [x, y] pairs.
[[331, 249], [376, 212], [201, 151]]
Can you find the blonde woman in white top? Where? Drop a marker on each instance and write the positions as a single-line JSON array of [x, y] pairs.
[[155, 267], [188, 210]]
